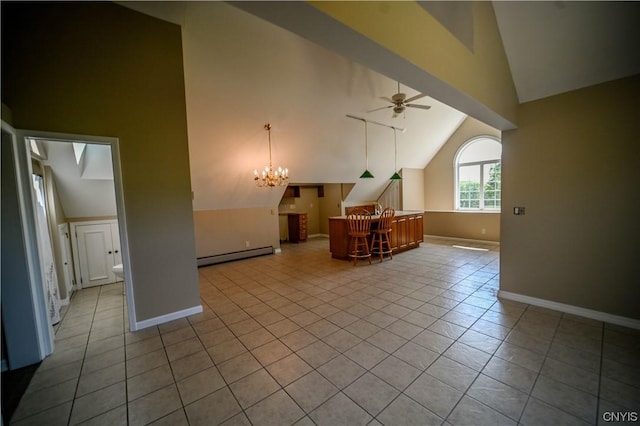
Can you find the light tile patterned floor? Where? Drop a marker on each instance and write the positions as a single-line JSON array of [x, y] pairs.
[[300, 338]]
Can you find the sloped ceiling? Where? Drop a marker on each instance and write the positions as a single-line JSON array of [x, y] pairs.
[[242, 72], [90, 196], [557, 46]]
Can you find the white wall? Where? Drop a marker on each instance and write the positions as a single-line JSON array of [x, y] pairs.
[[80, 197]]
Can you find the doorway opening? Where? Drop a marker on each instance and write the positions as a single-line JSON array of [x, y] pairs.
[[77, 185]]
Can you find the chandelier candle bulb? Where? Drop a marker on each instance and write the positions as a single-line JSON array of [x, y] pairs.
[[271, 177]]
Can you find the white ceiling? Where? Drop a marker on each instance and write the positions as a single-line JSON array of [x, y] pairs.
[[242, 72], [558, 46], [85, 189]]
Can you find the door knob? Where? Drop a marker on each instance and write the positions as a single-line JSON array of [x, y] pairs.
[[109, 252], [116, 251]]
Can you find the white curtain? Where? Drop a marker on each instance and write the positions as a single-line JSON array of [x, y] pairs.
[[49, 279]]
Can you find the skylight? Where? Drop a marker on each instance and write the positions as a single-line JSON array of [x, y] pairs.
[[78, 150]]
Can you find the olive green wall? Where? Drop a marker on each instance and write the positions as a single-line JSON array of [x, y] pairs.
[[574, 163], [101, 69]]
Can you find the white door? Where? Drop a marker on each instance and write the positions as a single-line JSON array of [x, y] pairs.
[[115, 238], [65, 250], [95, 252]]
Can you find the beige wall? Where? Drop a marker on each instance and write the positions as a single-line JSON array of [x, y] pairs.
[[465, 225], [441, 219], [318, 209], [574, 163], [330, 205], [439, 178], [412, 189], [227, 231], [309, 203], [101, 69]]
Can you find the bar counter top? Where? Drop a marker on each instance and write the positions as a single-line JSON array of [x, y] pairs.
[[406, 232]]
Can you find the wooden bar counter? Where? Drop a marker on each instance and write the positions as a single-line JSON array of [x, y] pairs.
[[407, 233]]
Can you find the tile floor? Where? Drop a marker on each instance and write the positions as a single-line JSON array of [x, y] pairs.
[[300, 338]]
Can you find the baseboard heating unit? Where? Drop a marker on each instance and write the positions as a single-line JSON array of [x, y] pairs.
[[236, 255]]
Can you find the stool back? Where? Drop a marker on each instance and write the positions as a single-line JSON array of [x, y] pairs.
[[386, 217], [359, 222]]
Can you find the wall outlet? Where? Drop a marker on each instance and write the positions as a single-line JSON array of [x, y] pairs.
[[247, 244], [518, 211]]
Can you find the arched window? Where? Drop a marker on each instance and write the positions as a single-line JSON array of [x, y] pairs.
[[478, 170]]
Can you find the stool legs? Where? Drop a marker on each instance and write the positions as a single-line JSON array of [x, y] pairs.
[[360, 249], [382, 238]]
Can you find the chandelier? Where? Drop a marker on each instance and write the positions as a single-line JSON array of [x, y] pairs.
[[269, 176]]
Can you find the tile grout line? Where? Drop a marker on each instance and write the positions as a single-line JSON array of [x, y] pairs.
[[86, 348]]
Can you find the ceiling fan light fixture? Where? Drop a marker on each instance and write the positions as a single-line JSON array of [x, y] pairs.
[[399, 103]]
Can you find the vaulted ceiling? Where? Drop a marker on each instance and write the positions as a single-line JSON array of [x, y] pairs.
[[242, 71]]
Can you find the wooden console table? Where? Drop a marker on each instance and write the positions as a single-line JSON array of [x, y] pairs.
[[407, 233]]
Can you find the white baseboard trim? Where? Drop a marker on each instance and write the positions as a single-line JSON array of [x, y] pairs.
[[278, 250], [318, 236], [167, 317], [571, 309], [464, 240]]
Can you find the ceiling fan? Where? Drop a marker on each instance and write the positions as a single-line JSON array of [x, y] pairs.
[[400, 103]]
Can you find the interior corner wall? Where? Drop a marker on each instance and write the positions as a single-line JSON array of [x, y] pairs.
[[97, 68], [412, 189], [439, 177], [573, 163]]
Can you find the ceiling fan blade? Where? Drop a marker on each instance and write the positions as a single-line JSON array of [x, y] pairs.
[[413, 98], [418, 106], [378, 109]]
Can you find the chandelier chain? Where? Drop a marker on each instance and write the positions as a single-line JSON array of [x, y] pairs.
[[269, 176]]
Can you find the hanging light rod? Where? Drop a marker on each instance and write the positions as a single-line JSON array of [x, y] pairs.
[[375, 122]]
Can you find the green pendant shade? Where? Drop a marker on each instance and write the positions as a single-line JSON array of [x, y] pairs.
[[366, 175], [395, 176]]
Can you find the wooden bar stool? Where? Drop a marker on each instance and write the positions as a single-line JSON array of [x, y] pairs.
[[382, 235], [359, 222]]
